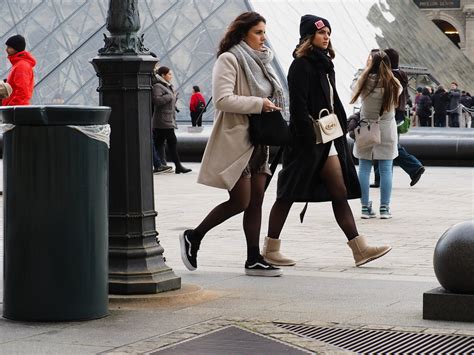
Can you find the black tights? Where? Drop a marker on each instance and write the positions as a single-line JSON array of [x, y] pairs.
[[331, 175], [160, 136], [246, 196]]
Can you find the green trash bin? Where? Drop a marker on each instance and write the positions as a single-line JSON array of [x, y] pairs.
[[55, 181]]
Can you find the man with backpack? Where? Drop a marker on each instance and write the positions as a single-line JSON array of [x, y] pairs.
[[197, 106], [21, 78]]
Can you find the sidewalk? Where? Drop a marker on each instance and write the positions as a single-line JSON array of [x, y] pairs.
[[324, 288]]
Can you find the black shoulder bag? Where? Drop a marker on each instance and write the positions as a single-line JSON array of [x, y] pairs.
[[268, 128]]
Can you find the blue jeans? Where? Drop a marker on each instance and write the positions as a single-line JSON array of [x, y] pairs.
[[385, 170], [407, 162]]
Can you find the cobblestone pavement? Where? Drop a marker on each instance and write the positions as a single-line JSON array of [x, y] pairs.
[[421, 214]]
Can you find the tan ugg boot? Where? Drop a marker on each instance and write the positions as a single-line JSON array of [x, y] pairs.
[[271, 253], [364, 253]]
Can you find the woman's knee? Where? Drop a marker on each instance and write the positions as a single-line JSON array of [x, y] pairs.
[[240, 204], [256, 200]]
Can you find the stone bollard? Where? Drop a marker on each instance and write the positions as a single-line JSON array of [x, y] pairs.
[[453, 262]]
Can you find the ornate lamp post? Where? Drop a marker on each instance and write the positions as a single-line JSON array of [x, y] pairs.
[[124, 67]]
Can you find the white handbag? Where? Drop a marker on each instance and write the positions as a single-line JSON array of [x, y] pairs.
[[327, 128]]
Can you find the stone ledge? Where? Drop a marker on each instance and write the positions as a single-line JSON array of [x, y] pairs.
[[439, 304]]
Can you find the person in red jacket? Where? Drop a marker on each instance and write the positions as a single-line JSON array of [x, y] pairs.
[[21, 77], [197, 105]]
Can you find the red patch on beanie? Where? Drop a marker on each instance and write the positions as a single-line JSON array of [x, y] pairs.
[[319, 24]]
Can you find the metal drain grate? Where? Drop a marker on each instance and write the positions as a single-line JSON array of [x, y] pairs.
[[364, 341], [231, 340]]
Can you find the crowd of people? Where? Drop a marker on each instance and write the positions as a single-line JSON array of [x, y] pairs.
[[443, 108]]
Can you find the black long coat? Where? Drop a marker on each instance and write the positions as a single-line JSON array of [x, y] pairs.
[[299, 180]]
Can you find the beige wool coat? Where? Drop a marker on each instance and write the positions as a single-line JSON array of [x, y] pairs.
[[228, 149]]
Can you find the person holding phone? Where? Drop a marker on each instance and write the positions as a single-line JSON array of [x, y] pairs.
[[378, 90], [242, 81], [164, 118]]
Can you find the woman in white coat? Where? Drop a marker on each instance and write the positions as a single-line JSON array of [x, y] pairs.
[[243, 82], [379, 91]]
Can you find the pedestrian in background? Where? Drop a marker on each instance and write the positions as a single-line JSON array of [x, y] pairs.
[[423, 108], [21, 77], [242, 82], [466, 101], [159, 162], [164, 118], [197, 105], [316, 172], [379, 91], [408, 162], [440, 101], [454, 98], [416, 101]]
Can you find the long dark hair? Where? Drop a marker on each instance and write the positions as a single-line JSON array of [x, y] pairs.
[[304, 48], [381, 67], [238, 29]]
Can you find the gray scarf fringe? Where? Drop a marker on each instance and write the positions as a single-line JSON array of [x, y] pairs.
[[257, 67]]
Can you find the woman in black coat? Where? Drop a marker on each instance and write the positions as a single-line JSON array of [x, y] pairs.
[[316, 172], [423, 109], [440, 101]]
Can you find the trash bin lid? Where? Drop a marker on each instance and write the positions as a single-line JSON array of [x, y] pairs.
[[55, 115]]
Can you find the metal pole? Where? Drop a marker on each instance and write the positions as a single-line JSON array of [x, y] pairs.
[[124, 67]]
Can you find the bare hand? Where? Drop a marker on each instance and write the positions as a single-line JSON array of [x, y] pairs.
[[269, 106]]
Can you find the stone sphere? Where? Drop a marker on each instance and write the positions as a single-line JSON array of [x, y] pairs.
[[454, 258]]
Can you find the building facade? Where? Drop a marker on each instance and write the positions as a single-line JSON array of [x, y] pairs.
[[455, 18]]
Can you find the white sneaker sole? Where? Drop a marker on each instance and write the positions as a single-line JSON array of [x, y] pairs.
[[184, 257], [385, 217], [267, 273], [367, 217]]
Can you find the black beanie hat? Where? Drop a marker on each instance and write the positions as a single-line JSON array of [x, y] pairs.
[[309, 24], [17, 42]]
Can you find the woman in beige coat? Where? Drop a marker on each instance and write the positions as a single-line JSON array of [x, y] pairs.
[[243, 82]]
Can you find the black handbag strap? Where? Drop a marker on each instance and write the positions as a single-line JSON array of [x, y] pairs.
[[274, 165]]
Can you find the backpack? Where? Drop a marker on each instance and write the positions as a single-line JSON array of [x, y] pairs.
[[201, 106]]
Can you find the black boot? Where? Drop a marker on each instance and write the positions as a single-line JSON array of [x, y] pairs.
[[375, 184], [181, 169]]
